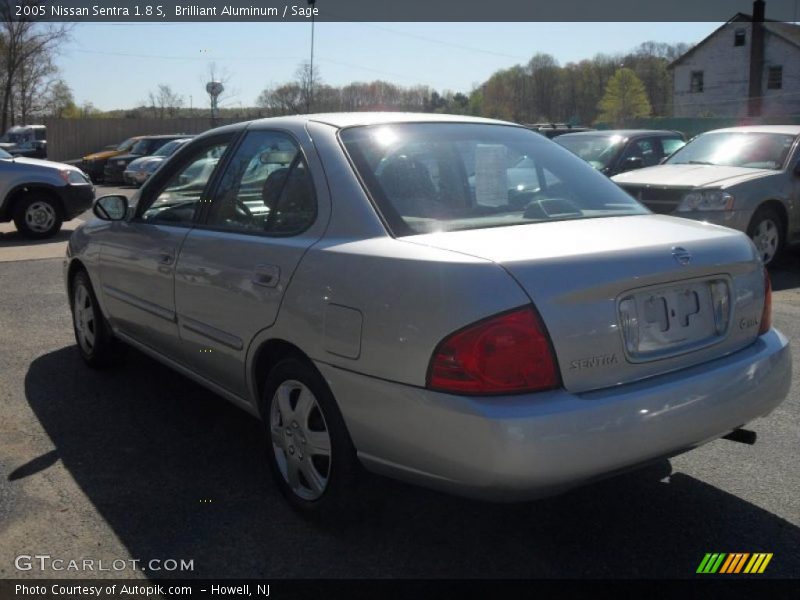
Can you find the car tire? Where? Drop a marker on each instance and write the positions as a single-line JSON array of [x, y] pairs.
[[38, 216], [766, 231], [309, 450], [96, 343]]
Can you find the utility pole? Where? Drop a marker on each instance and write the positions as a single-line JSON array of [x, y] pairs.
[[310, 96]]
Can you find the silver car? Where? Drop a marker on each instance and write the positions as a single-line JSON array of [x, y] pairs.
[[747, 178], [381, 293], [39, 195], [140, 169]]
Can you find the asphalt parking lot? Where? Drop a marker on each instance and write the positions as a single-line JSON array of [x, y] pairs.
[[139, 462]]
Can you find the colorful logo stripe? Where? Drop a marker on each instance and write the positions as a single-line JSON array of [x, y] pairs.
[[734, 562]]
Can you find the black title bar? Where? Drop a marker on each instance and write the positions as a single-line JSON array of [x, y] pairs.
[[392, 10]]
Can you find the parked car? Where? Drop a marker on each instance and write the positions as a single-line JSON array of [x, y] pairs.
[[140, 169], [747, 178], [379, 309], [144, 146], [552, 130], [39, 195], [619, 150], [94, 164], [25, 140]]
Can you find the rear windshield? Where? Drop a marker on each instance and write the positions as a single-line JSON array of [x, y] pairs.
[[126, 145], [429, 177], [148, 146]]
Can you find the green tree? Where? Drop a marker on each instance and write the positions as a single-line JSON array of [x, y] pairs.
[[625, 98]]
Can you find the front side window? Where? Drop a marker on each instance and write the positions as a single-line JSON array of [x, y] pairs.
[[696, 85], [736, 149], [429, 177], [179, 199], [266, 188], [644, 149]]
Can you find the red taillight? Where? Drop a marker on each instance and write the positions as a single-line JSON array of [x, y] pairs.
[[508, 353], [766, 314]]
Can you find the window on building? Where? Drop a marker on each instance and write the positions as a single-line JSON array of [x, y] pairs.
[[739, 37], [696, 85], [775, 78]]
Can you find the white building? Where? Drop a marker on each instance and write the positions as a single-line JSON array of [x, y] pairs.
[[747, 67]]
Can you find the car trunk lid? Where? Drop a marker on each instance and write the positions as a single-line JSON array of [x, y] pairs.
[[625, 298]]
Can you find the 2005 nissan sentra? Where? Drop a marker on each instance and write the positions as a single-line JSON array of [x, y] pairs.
[[455, 302]]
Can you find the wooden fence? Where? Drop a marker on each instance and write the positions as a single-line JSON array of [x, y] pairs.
[[69, 139]]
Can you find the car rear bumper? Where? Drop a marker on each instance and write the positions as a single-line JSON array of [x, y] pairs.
[[76, 199], [522, 447]]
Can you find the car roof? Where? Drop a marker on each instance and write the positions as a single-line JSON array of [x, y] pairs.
[[788, 129], [170, 136], [352, 119], [628, 133]]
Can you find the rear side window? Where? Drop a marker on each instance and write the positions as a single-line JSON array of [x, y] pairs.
[[428, 177], [266, 188]]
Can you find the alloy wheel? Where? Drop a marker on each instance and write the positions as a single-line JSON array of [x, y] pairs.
[[766, 238], [83, 316], [40, 216], [300, 440]]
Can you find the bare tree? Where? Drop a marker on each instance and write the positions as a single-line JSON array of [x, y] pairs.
[[164, 102], [307, 80], [23, 42], [34, 82]]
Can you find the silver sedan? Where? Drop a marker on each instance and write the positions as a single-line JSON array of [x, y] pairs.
[[396, 292]]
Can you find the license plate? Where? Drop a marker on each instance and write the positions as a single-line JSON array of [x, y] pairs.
[[657, 322]]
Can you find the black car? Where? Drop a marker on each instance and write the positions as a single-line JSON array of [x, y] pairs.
[[144, 146], [617, 150], [551, 130]]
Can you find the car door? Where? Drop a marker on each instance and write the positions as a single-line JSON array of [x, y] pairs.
[[138, 256], [233, 269]]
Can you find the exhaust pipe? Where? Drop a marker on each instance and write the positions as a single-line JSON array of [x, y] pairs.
[[743, 436]]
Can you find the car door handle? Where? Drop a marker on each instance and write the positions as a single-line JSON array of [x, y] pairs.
[[266, 275], [165, 257]]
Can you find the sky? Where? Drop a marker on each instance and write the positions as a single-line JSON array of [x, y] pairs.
[[115, 65]]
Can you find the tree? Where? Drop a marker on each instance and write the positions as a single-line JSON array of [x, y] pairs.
[[164, 102], [59, 102], [307, 81], [625, 98], [23, 43]]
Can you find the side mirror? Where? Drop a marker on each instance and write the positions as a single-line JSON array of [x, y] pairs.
[[111, 208], [632, 162]]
